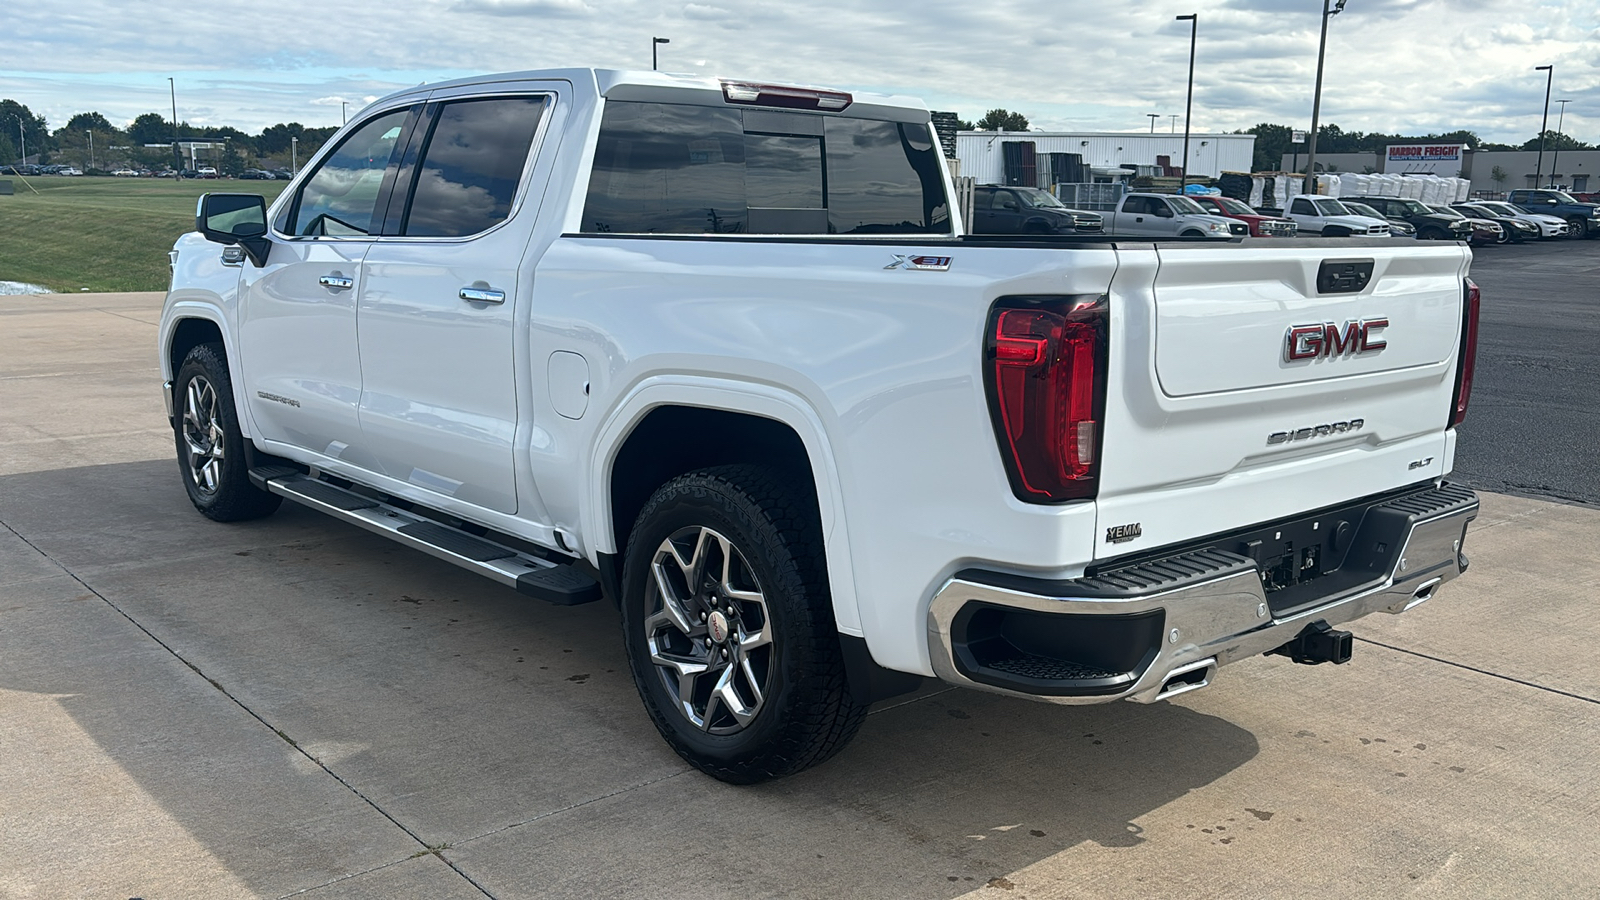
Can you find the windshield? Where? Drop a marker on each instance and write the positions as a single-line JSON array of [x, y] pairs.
[[1331, 208], [1562, 196], [1036, 198], [1187, 207], [1500, 209], [1446, 211], [1361, 209], [1235, 207]]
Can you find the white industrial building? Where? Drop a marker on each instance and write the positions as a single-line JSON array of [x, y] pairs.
[[983, 153]]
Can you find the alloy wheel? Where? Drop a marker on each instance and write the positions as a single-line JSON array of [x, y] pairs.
[[708, 630], [203, 436]]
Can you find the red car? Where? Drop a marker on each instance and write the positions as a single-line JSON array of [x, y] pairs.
[[1260, 225]]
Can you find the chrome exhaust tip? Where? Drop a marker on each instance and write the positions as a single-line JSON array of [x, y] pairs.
[[1186, 678]]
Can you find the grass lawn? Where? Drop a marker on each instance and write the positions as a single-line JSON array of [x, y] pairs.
[[103, 234]]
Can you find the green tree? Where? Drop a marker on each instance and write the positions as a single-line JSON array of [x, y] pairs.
[[1555, 140], [89, 121], [1003, 120], [150, 128], [35, 130], [1272, 145]]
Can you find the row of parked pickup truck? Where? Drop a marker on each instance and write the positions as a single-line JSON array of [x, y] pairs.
[[1527, 215]]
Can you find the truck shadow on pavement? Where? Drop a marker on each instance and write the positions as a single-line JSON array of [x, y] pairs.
[[309, 702]]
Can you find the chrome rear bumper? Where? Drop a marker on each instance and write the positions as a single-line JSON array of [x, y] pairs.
[[1211, 605]]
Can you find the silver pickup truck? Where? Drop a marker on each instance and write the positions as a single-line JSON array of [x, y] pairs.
[[1168, 215]]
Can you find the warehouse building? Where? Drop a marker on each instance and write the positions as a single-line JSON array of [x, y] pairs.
[[1047, 157], [1488, 170]]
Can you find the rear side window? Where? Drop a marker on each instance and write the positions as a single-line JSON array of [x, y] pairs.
[[675, 169], [467, 176], [340, 197]]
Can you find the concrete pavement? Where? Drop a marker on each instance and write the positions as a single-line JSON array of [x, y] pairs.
[[294, 707]]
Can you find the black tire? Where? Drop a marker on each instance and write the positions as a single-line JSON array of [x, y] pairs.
[[1431, 234], [804, 712], [1192, 234], [211, 456], [1577, 228]]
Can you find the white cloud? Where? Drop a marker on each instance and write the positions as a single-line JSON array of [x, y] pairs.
[[1392, 65]]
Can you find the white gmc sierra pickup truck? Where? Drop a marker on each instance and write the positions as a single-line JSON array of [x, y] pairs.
[[721, 352]]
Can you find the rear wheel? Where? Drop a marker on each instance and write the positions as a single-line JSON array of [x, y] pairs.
[[729, 626], [210, 445]]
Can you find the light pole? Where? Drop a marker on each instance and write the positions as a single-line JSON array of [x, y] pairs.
[[1173, 128], [1153, 118], [1309, 185], [344, 112], [653, 42], [22, 138], [177, 156], [1556, 159], [1549, 77], [294, 155], [1188, 105], [91, 148]]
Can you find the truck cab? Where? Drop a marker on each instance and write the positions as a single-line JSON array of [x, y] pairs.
[[1319, 214], [999, 209], [1167, 215]]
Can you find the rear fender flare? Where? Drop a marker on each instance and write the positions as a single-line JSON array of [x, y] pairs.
[[735, 396]]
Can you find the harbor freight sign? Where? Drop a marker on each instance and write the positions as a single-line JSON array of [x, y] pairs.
[[1435, 159]]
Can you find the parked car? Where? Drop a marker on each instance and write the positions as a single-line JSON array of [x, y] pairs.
[[255, 175], [1024, 210], [1260, 225], [1484, 231], [69, 170], [1516, 224], [206, 172], [816, 467], [1545, 226], [1319, 214], [282, 175], [1430, 226], [1583, 219], [1397, 227], [1169, 215], [124, 173]]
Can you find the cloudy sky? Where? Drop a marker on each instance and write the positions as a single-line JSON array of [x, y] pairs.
[[1393, 65]]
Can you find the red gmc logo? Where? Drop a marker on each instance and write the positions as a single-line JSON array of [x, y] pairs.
[[1328, 339]]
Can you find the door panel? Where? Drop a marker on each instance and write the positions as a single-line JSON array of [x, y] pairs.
[[438, 306]]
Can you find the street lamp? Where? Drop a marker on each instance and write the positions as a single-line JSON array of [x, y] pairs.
[[91, 148], [22, 137], [1556, 159], [1153, 118], [1188, 105], [294, 155], [1545, 123], [653, 42], [1173, 128], [344, 112], [177, 155], [1309, 185]]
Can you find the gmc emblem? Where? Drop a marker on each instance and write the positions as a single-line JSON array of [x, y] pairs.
[[1330, 340]]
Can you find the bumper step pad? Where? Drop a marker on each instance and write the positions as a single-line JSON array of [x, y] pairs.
[[561, 583]]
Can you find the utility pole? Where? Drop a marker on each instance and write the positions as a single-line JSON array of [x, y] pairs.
[[294, 155], [1188, 105], [177, 156], [653, 42], [22, 138], [1309, 185], [1153, 118], [91, 148], [344, 113], [1556, 160], [1549, 77], [1173, 129]]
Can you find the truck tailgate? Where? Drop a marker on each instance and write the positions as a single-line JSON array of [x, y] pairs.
[[1241, 390]]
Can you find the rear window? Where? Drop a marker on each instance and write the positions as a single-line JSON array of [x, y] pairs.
[[676, 169]]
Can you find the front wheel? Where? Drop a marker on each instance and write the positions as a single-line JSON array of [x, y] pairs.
[[1335, 232], [729, 626], [1577, 228], [210, 444]]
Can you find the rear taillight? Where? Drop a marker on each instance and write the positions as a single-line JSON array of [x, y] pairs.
[[1469, 354], [1045, 363]]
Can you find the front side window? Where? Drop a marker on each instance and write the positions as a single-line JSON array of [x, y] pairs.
[[467, 176], [341, 197], [1302, 207], [675, 169]]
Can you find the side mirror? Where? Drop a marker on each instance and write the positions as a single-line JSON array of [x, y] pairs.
[[1550, 200], [1163, 212], [235, 219]]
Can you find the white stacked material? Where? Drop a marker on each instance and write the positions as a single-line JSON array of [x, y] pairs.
[[1411, 188], [1463, 190], [1389, 186], [1282, 190], [1354, 185], [1328, 185], [1258, 189]]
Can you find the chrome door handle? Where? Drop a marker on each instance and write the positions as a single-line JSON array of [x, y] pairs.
[[337, 282], [483, 295]]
